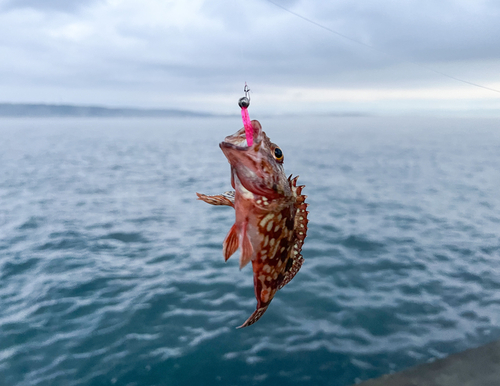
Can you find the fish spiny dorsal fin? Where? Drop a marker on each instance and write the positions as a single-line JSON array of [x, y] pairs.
[[296, 258], [231, 243], [301, 221], [300, 232]]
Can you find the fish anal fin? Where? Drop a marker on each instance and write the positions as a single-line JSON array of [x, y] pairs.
[[226, 198], [231, 243], [254, 317]]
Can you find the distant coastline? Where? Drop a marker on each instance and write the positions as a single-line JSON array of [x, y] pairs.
[[46, 110], [22, 110]]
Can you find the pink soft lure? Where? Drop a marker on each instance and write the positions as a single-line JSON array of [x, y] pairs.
[[244, 103], [248, 125]]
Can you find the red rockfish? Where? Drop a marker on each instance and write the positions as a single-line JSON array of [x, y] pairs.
[[271, 216]]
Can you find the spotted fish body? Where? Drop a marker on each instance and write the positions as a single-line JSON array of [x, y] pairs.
[[271, 216]]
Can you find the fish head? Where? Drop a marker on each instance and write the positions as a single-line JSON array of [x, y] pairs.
[[259, 167]]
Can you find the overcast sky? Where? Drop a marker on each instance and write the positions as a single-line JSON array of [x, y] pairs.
[[197, 54]]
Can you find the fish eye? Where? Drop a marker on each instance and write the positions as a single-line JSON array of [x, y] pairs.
[[278, 154]]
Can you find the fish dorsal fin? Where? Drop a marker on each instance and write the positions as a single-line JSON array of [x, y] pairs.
[[231, 243], [300, 232], [300, 223], [292, 271]]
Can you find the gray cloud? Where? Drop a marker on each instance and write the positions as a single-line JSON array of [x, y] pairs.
[[49, 5], [153, 53], [421, 31]]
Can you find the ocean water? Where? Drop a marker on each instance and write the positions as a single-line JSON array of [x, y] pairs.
[[111, 272]]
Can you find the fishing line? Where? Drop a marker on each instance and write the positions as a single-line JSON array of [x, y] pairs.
[[377, 49]]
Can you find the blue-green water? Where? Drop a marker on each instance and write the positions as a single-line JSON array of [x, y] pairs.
[[111, 273]]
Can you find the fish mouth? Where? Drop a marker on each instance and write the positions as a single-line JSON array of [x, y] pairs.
[[243, 161], [232, 150], [238, 154], [235, 147], [238, 141], [228, 145]]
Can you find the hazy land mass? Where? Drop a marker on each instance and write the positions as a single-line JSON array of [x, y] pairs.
[[53, 110]]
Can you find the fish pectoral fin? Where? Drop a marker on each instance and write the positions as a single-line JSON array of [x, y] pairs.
[[231, 243], [226, 198], [254, 317], [246, 248]]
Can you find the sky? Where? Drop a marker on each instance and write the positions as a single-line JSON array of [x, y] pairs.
[[317, 56]]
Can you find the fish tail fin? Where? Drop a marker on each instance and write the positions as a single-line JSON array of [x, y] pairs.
[[254, 317], [246, 249], [231, 243]]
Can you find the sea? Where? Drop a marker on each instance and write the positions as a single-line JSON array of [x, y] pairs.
[[111, 272]]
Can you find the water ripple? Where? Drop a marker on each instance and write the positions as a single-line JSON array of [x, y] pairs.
[[112, 273]]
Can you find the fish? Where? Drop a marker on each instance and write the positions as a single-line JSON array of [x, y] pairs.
[[270, 214]]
